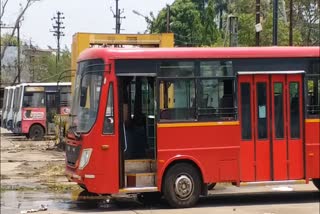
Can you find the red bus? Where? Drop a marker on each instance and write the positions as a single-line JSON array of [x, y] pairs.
[[36, 105], [173, 121]]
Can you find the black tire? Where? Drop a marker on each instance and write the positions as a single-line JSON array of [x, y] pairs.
[[188, 177], [36, 132], [211, 186], [316, 182]]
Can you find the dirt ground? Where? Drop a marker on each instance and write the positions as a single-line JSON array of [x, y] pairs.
[[32, 177], [31, 165]]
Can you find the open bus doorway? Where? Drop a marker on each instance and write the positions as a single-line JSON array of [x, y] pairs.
[[137, 130]]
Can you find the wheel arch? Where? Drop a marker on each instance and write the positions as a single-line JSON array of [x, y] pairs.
[[176, 160]]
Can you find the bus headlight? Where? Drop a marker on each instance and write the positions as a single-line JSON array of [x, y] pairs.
[[85, 157]]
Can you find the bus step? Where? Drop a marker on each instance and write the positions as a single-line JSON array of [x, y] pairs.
[[140, 166], [140, 179], [138, 189]]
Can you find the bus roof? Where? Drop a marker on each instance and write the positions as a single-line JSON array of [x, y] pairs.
[[46, 84], [200, 53]]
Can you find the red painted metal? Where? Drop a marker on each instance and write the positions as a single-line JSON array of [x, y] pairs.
[[247, 147], [201, 53], [312, 154], [295, 145], [279, 145], [262, 146], [32, 116], [217, 150]]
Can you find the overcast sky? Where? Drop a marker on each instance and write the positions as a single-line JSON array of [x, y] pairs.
[[80, 16]]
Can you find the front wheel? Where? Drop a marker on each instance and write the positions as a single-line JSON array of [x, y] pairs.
[[36, 132], [182, 185], [316, 182]]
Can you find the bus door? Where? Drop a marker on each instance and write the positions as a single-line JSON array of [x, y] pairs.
[[137, 130], [271, 124], [51, 111]]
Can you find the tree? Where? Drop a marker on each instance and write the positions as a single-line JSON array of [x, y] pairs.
[[306, 20], [45, 69], [221, 6], [185, 23], [8, 40], [210, 31]]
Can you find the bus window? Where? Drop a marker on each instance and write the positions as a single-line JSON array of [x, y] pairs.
[[245, 111], [294, 110], [216, 91], [313, 90], [9, 99], [177, 90], [33, 99], [108, 126], [179, 99]]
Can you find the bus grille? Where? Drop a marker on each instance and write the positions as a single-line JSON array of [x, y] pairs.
[[72, 153]]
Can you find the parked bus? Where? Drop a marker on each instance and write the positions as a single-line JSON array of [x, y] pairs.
[[8, 114], [37, 104], [4, 106], [173, 121]]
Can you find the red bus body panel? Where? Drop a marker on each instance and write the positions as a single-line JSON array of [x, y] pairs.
[[215, 147], [312, 129], [32, 116]]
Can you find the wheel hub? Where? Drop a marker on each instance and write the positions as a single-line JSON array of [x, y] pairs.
[[183, 186]]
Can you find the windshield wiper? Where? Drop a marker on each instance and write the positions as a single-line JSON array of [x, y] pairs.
[[74, 132]]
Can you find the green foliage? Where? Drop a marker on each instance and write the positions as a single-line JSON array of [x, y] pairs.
[[185, 22], [7, 40], [196, 25], [45, 68], [210, 31]]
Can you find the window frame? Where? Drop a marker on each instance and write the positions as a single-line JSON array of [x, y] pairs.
[[197, 79], [111, 86]]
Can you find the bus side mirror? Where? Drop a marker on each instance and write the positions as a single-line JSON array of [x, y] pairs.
[[83, 96]]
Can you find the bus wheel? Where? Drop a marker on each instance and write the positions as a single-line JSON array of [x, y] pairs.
[[36, 132], [316, 182], [211, 186], [182, 185]]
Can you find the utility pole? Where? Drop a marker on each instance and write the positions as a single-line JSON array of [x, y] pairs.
[[57, 32], [291, 23], [275, 22], [233, 30], [257, 22], [118, 17], [19, 51]]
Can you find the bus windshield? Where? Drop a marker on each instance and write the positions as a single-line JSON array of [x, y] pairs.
[[16, 99], [33, 99], [87, 95], [4, 104], [9, 99]]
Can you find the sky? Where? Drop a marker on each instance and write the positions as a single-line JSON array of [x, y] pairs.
[[92, 16]]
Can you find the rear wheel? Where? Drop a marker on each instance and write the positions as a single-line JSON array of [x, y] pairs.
[[316, 182], [182, 185], [36, 132]]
